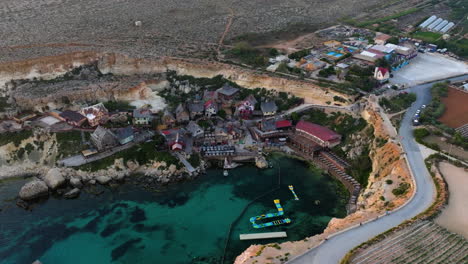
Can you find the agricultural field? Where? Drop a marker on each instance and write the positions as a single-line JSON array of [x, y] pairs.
[[456, 108], [421, 243], [430, 37]]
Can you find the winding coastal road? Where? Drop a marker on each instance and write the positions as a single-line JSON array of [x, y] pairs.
[[336, 247]]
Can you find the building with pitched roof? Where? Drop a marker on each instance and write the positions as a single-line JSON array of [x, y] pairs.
[[268, 108], [381, 74], [227, 92], [181, 114], [211, 108], [96, 114], [320, 135], [246, 107], [381, 39], [103, 138], [125, 135], [196, 109], [194, 129], [142, 116], [73, 118]]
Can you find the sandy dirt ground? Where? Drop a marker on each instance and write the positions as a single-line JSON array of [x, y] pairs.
[[454, 216], [456, 108], [429, 67]]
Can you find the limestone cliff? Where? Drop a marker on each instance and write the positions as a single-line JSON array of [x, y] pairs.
[[51, 67]]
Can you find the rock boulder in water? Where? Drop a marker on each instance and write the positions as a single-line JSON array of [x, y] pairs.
[[261, 162], [75, 182], [103, 179], [72, 194], [54, 178], [33, 189]]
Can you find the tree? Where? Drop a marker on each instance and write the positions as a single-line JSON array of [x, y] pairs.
[[222, 113], [393, 40], [273, 52], [283, 67], [382, 62], [295, 117]]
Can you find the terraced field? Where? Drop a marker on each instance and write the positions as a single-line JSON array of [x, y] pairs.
[[421, 243]]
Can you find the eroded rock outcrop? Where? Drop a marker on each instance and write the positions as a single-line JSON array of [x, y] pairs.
[[33, 189], [54, 178]]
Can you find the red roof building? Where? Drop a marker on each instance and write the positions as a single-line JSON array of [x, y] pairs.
[[283, 124], [318, 134]]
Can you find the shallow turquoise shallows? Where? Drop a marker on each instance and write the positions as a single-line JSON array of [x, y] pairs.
[[181, 223]]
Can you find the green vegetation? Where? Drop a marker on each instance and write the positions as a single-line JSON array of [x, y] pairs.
[[389, 181], [430, 37], [204, 123], [362, 78], [339, 99], [118, 106], [248, 55], [299, 54], [3, 104], [221, 113], [283, 67], [393, 40], [387, 18], [15, 137], [273, 52], [291, 31], [70, 143], [343, 124], [457, 46], [398, 103], [402, 189], [436, 108], [194, 160], [325, 73], [420, 134], [143, 154]]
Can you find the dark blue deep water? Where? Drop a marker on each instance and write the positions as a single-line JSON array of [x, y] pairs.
[[181, 223]]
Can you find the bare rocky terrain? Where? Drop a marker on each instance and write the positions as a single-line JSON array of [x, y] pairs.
[[32, 28]]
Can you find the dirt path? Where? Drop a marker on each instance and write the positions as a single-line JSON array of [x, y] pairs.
[[454, 216], [226, 30]]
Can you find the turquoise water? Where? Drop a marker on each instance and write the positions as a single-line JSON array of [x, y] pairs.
[[335, 54], [181, 223]]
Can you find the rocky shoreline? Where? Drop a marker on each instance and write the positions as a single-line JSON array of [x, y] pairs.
[[68, 182]]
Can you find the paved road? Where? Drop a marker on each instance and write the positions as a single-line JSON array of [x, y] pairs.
[[334, 249]]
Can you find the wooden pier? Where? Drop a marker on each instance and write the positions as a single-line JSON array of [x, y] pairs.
[[262, 235]]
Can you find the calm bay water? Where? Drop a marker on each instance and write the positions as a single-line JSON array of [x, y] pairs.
[[181, 223]]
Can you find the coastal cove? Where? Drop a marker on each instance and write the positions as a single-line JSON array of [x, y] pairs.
[[183, 222]]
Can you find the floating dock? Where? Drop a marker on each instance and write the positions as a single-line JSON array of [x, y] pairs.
[[293, 192], [270, 215], [262, 235]]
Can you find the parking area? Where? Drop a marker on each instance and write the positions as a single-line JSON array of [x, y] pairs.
[[429, 67]]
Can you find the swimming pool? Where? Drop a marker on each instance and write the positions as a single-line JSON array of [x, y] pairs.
[[335, 54]]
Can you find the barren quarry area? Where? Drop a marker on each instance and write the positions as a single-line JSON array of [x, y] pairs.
[[169, 27]]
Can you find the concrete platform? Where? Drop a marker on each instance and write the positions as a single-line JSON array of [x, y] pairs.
[[262, 235]]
